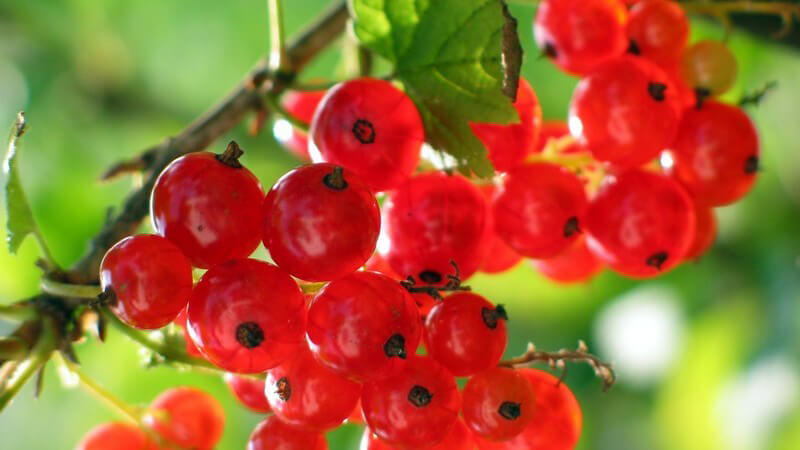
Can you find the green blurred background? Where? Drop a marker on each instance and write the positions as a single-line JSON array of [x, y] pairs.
[[708, 355]]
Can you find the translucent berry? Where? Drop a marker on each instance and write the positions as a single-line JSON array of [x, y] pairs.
[[371, 128], [272, 434], [247, 316], [508, 145], [148, 280], [579, 35], [466, 334], [539, 209], [209, 206], [498, 403], [500, 257], [556, 129], [705, 232], [357, 416], [710, 67], [249, 392], [364, 325], [658, 30], [377, 263], [576, 264], [425, 302], [716, 153], [320, 222], [415, 407], [459, 438], [116, 436], [301, 105], [187, 417], [641, 223]]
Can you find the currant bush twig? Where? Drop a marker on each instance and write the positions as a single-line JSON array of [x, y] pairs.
[[12, 348], [722, 10], [559, 358], [754, 98], [276, 106], [17, 312], [38, 357]]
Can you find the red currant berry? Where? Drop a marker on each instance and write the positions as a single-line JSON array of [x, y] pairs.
[[625, 112], [579, 35], [658, 30], [434, 219], [357, 416], [687, 97], [710, 67], [539, 208], [249, 392], [272, 434], [459, 438], [370, 127], [641, 224], [209, 206], [116, 436], [716, 153], [415, 407], [301, 105], [247, 316], [508, 145], [574, 265], [150, 278], [556, 129], [187, 417], [498, 404], [320, 222], [306, 394], [377, 263], [500, 257], [425, 303], [363, 325], [705, 232], [466, 334]]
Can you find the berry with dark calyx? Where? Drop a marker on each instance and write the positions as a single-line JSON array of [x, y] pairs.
[[640, 223], [301, 105], [709, 67], [247, 316], [715, 153], [371, 128], [187, 417], [249, 392], [574, 265], [116, 436], [459, 438], [538, 209], [625, 112], [579, 35], [659, 29], [414, 407], [466, 334], [209, 206], [500, 257], [508, 145], [272, 434], [306, 394], [146, 280], [498, 403], [705, 232], [430, 222], [320, 222]]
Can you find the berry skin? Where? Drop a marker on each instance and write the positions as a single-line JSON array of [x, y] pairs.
[[181, 321], [363, 325], [434, 219], [211, 210], [357, 416], [459, 438], [371, 128], [579, 35], [249, 392], [705, 233], [247, 316], [508, 145], [625, 112], [415, 407], [466, 334], [716, 154], [576, 264], [498, 404], [301, 105], [641, 224], [306, 394], [555, 129], [658, 30], [377, 263], [151, 280], [320, 222], [539, 209], [187, 417], [500, 257], [710, 67], [556, 422], [116, 436], [272, 434]]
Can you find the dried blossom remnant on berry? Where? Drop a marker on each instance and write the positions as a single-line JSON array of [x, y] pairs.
[[335, 180], [430, 276], [419, 396], [752, 165], [249, 334], [395, 346], [364, 131], [633, 48], [230, 157], [283, 389], [510, 410], [571, 227], [492, 316], [656, 90], [549, 50], [657, 260]]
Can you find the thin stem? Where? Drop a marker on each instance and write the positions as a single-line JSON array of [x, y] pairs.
[[278, 60], [17, 312], [85, 291], [39, 355], [12, 347], [321, 86], [312, 288], [722, 10], [276, 106]]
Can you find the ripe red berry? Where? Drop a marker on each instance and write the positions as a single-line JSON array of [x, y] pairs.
[[415, 407], [579, 35], [377, 263], [116, 436], [555, 129], [209, 206], [459, 438], [710, 67], [247, 316], [272, 434], [425, 302], [363, 325], [371, 128], [320, 222], [249, 392], [498, 404], [466, 334], [705, 232], [658, 30], [431, 220], [301, 105], [187, 417], [539, 209], [306, 394], [508, 145], [641, 223], [500, 257], [625, 112], [150, 278], [357, 416], [574, 265], [716, 153]]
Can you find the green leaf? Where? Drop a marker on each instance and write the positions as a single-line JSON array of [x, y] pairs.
[[18, 211], [459, 61]]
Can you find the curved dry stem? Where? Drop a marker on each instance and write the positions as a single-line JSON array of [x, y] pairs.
[[39, 355]]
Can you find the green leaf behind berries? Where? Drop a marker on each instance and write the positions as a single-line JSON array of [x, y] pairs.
[[20, 222], [459, 61]]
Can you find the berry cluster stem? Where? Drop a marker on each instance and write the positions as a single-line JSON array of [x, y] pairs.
[[278, 58], [20, 372]]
